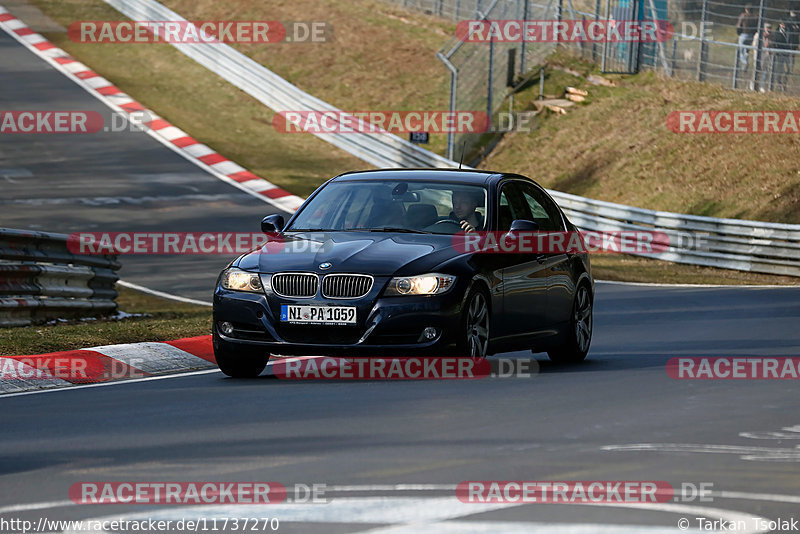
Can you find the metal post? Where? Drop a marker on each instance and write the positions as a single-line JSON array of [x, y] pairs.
[[605, 42], [522, 59], [660, 46], [771, 71], [490, 92], [559, 13], [703, 59], [759, 46], [596, 18], [736, 69], [453, 87], [674, 54], [541, 83]]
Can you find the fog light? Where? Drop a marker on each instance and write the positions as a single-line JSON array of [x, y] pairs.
[[226, 328], [430, 333]]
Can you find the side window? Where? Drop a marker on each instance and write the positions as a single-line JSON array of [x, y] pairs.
[[511, 206], [542, 209]]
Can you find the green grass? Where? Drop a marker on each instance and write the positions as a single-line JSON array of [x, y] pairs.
[[616, 147], [626, 268], [165, 320]]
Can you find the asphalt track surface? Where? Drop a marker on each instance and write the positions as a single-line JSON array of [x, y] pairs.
[[390, 452]]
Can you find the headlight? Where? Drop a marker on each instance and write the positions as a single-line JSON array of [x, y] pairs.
[[237, 280], [425, 284]]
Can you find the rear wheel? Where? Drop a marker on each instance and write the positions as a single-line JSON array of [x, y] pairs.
[[474, 340], [579, 336], [239, 363]]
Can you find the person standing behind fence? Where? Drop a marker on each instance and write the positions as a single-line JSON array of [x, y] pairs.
[[746, 28], [793, 25], [781, 40], [763, 61]]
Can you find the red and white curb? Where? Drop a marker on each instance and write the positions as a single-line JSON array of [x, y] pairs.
[[158, 128], [107, 363], [113, 363]]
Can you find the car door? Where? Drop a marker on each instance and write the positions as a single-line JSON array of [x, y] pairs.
[[524, 276], [555, 265]]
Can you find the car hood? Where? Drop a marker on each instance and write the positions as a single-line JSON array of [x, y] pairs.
[[376, 253]]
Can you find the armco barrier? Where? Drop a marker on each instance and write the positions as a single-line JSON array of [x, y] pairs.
[[733, 244], [725, 243], [40, 279]]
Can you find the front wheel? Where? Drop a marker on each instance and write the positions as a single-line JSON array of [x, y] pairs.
[[579, 336], [474, 339], [239, 363]]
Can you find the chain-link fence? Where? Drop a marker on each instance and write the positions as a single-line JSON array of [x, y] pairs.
[[717, 42], [713, 41]]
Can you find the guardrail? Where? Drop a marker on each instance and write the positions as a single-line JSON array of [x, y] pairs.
[[730, 243], [737, 244], [41, 280]]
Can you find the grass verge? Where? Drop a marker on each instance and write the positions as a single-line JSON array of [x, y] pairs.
[[624, 268], [166, 320], [617, 147]]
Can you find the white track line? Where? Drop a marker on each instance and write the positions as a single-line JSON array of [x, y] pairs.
[[424, 514], [116, 383], [728, 286], [161, 294]]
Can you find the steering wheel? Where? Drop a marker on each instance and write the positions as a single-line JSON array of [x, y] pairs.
[[456, 224]]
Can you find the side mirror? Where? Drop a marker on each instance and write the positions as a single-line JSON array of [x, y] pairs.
[[272, 224], [523, 225]]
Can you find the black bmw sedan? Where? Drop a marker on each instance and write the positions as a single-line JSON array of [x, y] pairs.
[[371, 265]]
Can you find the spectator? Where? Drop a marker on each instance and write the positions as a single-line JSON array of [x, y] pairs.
[[793, 25], [746, 27], [763, 61], [781, 40]]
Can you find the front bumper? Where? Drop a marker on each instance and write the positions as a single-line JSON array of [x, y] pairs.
[[386, 326]]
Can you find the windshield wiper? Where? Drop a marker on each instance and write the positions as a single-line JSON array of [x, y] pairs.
[[399, 230], [382, 229]]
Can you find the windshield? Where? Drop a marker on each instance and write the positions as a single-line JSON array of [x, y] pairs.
[[402, 206]]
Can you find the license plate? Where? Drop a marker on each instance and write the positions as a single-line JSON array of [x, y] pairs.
[[331, 315]]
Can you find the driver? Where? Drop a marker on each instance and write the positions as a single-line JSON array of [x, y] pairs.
[[464, 205]]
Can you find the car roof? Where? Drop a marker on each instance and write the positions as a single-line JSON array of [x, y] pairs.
[[476, 177]]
